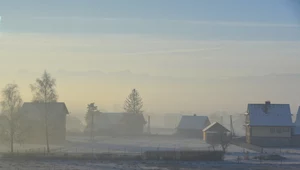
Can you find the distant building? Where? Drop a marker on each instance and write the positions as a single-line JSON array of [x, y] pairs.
[[131, 124], [269, 125], [214, 132], [110, 123], [34, 114], [192, 126]]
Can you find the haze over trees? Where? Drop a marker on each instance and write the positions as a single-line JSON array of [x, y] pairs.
[[44, 91], [11, 130], [134, 103]]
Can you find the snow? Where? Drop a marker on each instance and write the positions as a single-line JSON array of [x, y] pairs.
[[138, 144], [277, 115]]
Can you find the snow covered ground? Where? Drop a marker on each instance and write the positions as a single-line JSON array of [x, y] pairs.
[[139, 144], [88, 165]]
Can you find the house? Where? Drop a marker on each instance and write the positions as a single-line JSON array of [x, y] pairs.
[[34, 114], [192, 126], [110, 123], [269, 125], [214, 132], [131, 124], [105, 123]]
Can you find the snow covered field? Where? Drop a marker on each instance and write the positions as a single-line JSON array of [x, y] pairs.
[[139, 144], [88, 165]]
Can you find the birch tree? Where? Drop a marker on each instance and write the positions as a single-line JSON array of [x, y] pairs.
[[11, 118], [44, 91]]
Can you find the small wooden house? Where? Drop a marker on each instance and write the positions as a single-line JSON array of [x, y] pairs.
[[192, 126], [269, 125], [214, 131]]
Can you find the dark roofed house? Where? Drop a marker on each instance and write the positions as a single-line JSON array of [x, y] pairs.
[[110, 123], [132, 124], [35, 116], [192, 126], [269, 125]]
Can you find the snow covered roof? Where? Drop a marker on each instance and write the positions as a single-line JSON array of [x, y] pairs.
[[217, 125], [193, 122], [269, 115]]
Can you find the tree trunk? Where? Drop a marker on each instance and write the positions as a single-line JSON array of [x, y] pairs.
[[46, 129], [11, 139], [92, 127]]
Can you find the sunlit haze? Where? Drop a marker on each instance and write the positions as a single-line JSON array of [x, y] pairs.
[[183, 56]]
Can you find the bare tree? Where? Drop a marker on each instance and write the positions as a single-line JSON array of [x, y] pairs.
[[11, 126], [225, 141], [134, 103], [44, 92], [89, 117], [221, 139]]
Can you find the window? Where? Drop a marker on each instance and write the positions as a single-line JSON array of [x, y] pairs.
[[278, 130]]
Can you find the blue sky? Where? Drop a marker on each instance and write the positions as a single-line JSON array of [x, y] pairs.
[[191, 19]]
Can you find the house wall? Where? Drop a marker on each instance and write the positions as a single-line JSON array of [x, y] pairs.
[[269, 136], [189, 133], [271, 132]]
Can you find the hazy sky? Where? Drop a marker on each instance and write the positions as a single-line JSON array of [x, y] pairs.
[[173, 51]]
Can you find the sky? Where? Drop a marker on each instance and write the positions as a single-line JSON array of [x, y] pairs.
[[183, 56]]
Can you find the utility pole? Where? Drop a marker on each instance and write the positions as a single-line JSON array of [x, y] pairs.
[[231, 126], [149, 129], [222, 120]]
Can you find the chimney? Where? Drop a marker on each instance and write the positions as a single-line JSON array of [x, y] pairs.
[[267, 105]]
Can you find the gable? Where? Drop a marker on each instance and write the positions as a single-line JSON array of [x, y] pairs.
[[297, 121], [215, 127]]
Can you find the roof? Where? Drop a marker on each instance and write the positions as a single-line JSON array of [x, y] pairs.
[[133, 118], [113, 118], [215, 125], [107, 120], [193, 122], [297, 121], [269, 115], [34, 108]]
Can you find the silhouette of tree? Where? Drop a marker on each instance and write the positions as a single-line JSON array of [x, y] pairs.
[[89, 118], [134, 103], [11, 103], [44, 92]]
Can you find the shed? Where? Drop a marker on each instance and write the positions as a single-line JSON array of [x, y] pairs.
[[214, 130]]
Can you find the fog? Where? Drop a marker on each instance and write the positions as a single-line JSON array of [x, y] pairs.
[[86, 79]]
